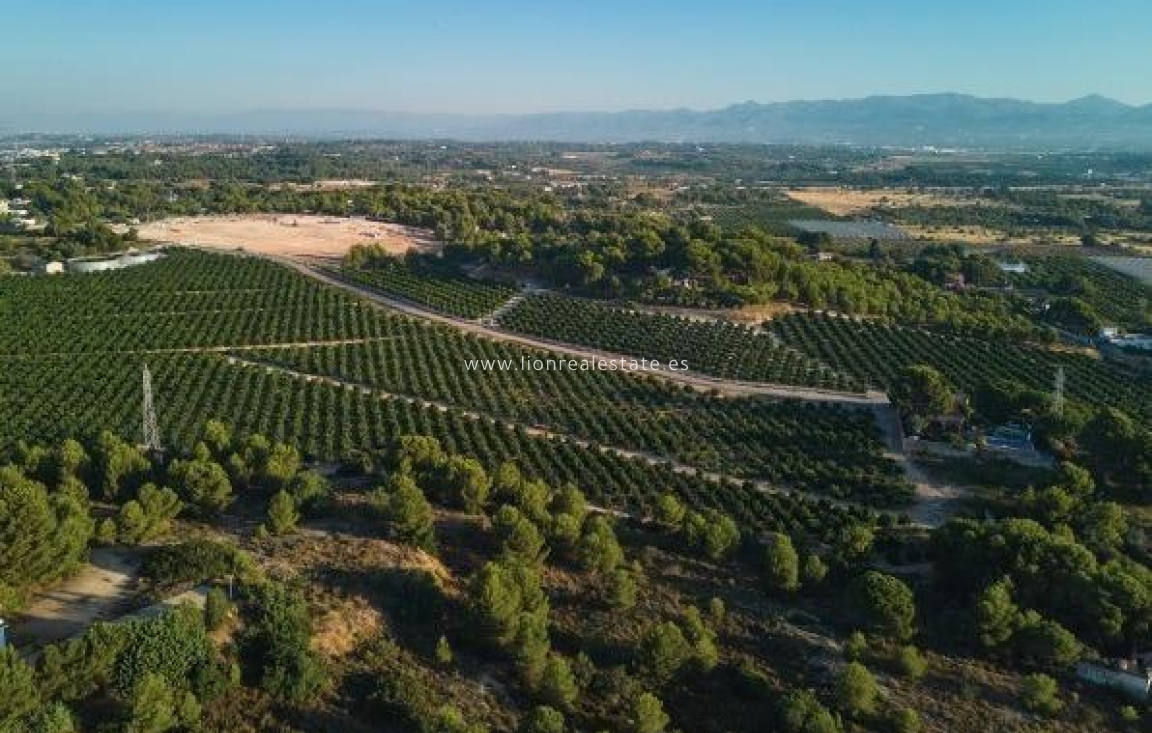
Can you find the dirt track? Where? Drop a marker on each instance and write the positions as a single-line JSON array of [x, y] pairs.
[[102, 590]]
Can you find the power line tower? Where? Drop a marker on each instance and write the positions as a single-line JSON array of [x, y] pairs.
[[1058, 392], [151, 432]]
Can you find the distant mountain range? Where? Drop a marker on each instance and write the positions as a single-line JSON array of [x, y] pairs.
[[942, 120]]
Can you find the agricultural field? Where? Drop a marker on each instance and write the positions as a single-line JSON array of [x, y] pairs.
[[721, 349], [198, 320], [821, 449], [876, 352], [1120, 298], [1137, 267], [449, 293], [383, 521]]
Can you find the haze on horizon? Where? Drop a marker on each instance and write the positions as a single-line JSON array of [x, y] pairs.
[[66, 57]]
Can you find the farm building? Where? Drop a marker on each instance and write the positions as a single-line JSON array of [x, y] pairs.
[[118, 262]]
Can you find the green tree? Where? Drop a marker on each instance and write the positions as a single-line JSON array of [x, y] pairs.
[[153, 706], [622, 589], [409, 514], [922, 391], [1039, 693], [21, 696], [646, 714], [670, 511], [997, 616], [444, 654], [856, 690], [282, 514], [53, 718], [598, 550], [280, 466], [519, 537], [203, 483], [309, 489], [855, 647], [217, 608], [557, 683], [543, 719], [905, 720], [42, 536], [801, 712], [781, 563], [911, 662], [1044, 642], [814, 570], [715, 533], [462, 482], [664, 651], [277, 643], [117, 465], [217, 436], [886, 603]]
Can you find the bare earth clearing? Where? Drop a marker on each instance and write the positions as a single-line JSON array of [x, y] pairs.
[[853, 201], [292, 235]]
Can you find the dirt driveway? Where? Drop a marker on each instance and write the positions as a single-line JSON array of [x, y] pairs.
[[102, 590]]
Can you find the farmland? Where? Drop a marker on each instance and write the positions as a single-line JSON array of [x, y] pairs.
[[394, 522], [722, 349], [876, 352]]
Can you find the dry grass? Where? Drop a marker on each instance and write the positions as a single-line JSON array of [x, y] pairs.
[[345, 623], [974, 234], [289, 235], [852, 201]]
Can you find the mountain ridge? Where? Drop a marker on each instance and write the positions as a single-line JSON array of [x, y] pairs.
[[945, 119]]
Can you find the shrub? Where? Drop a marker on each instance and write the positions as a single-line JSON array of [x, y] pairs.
[[283, 516], [276, 643], [856, 690], [1038, 693], [781, 563], [192, 562], [543, 719], [911, 662], [886, 604], [646, 714], [664, 650], [217, 607]]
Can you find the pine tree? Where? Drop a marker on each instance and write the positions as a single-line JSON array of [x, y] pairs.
[[282, 514], [21, 695], [781, 563]]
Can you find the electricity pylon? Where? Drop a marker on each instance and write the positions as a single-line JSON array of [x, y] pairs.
[[151, 432]]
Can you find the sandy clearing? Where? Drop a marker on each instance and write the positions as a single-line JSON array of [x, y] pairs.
[[291, 235], [100, 591]]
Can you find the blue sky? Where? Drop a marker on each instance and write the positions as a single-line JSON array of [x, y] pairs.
[[85, 56]]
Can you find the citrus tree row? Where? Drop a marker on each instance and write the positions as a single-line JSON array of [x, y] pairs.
[[450, 293], [52, 398], [719, 348], [815, 447], [876, 352], [187, 299]]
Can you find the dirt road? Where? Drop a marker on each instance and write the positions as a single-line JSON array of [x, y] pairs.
[[101, 591], [698, 381]]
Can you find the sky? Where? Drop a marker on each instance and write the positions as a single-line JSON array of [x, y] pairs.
[[495, 56]]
